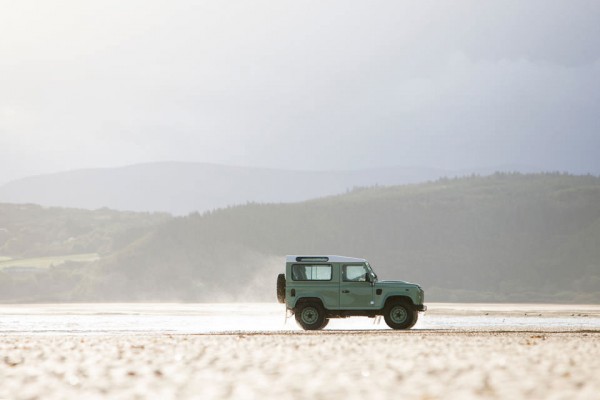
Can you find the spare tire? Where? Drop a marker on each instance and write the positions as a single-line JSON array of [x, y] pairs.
[[281, 288]]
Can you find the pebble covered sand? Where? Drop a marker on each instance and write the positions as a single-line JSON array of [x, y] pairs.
[[356, 365], [513, 363]]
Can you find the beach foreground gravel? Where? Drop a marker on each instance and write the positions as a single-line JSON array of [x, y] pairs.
[[418, 364]]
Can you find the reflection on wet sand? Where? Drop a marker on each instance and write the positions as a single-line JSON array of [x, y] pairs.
[[223, 318]]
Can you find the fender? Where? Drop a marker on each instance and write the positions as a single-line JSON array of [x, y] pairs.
[[307, 299]]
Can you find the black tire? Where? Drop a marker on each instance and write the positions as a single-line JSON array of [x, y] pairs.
[[310, 316], [399, 315], [325, 322], [415, 318], [281, 288]]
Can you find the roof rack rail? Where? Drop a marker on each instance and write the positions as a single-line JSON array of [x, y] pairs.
[[312, 259]]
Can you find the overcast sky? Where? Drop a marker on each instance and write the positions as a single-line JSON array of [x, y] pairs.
[[299, 84]]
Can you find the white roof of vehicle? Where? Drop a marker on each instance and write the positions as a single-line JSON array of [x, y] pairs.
[[341, 259]]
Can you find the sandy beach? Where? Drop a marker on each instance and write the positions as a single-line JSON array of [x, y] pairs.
[[463, 362]]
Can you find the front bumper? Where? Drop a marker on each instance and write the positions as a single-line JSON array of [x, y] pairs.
[[420, 307]]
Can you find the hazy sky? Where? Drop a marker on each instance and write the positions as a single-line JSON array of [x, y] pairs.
[[299, 84]]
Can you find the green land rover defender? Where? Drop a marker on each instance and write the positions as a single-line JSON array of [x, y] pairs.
[[317, 288]]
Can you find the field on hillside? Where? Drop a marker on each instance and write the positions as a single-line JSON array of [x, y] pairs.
[[46, 262]]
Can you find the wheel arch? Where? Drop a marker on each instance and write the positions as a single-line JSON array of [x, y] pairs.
[[304, 300], [394, 298]]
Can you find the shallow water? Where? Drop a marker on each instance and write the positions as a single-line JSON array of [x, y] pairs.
[[227, 318]]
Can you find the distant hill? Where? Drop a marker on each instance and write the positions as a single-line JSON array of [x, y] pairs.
[[505, 237], [28, 230], [181, 188]]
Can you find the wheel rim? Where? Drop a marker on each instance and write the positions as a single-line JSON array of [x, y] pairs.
[[398, 314], [310, 315]]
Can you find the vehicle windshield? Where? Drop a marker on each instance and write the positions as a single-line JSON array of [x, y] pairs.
[[371, 272]]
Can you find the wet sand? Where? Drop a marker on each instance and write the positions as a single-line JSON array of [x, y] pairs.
[[458, 363]]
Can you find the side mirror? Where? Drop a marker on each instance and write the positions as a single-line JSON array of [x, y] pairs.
[[371, 277]]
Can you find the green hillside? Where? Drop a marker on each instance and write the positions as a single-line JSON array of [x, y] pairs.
[[506, 237], [498, 238], [45, 253]]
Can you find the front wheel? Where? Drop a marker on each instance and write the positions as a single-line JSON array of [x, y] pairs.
[[399, 315], [310, 316]]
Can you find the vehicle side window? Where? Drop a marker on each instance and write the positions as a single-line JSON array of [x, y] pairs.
[[354, 273], [304, 272]]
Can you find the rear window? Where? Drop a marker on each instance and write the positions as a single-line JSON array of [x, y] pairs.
[[304, 272]]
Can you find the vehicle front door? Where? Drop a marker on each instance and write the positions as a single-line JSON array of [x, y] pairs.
[[356, 290]]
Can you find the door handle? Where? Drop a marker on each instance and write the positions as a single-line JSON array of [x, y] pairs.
[[345, 291]]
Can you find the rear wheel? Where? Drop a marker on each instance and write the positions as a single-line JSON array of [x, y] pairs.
[[310, 316], [400, 315]]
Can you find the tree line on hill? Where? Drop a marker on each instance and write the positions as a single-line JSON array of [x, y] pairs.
[[504, 237]]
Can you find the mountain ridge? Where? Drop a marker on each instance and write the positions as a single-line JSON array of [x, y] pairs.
[[180, 188]]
